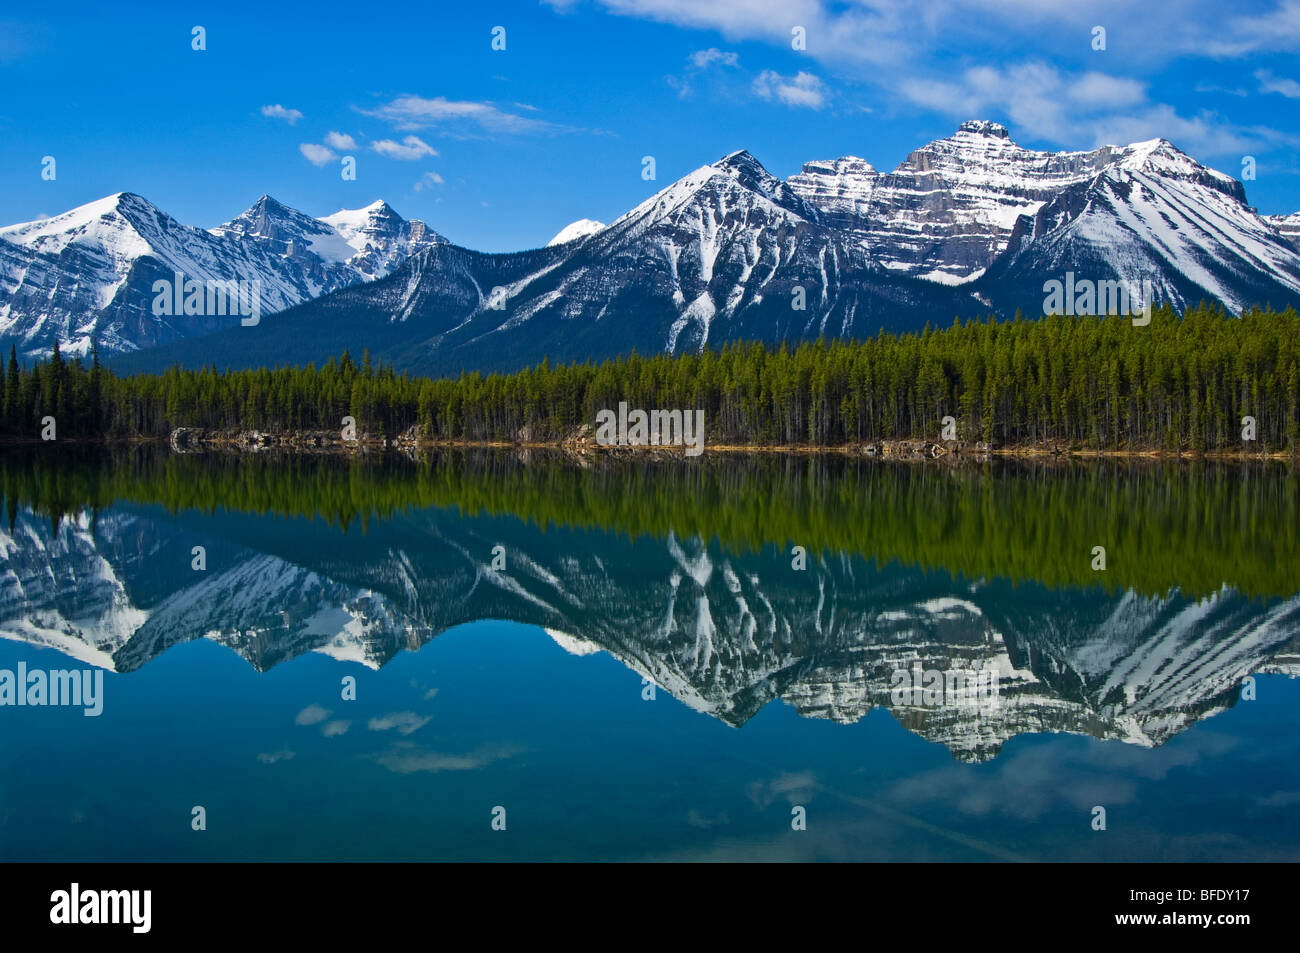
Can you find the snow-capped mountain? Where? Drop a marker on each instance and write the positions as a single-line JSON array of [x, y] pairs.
[[90, 271], [717, 255], [1154, 214], [976, 201], [118, 590], [1288, 225], [947, 212], [723, 633], [727, 252], [340, 249], [575, 230], [966, 225]]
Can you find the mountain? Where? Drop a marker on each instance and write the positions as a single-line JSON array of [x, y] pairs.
[[724, 633], [1157, 215], [339, 249], [718, 255], [575, 230], [1288, 225], [728, 252], [947, 212], [90, 271], [965, 226]]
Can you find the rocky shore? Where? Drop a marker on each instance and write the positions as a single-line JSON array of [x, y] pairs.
[[581, 442]]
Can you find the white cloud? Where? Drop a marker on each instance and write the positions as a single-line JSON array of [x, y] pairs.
[[311, 715], [1098, 90], [1225, 90], [316, 155], [405, 722], [407, 759], [277, 111], [332, 729], [893, 45], [796, 788], [340, 140], [1040, 101], [428, 181], [897, 32], [1276, 30], [699, 65], [869, 31], [1043, 103], [416, 112], [410, 148], [733, 18], [803, 89], [1268, 83], [901, 33], [1201, 135], [703, 59]]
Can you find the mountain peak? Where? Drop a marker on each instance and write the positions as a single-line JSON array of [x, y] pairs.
[[575, 230], [742, 166], [266, 202], [984, 127], [1162, 157], [378, 214], [267, 218], [59, 229], [741, 158]]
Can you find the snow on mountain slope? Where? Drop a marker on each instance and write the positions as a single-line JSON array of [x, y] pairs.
[[379, 237], [972, 202], [90, 271], [726, 634], [62, 591], [575, 230], [84, 591], [340, 249], [727, 252], [968, 224], [1288, 226], [1154, 215], [948, 210]]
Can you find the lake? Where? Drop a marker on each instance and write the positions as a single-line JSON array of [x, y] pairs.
[[491, 655]]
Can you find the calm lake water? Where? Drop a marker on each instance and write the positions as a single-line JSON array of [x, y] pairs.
[[650, 659]]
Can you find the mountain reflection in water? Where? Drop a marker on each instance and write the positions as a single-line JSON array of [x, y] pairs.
[[684, 573]]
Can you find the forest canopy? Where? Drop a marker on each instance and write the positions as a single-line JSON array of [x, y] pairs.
[[1181, 382]]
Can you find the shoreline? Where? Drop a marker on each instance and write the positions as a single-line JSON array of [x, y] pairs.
[[911, 449]]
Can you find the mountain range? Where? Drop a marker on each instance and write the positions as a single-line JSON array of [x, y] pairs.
[[724, 633], [968, 225], [89, 273]]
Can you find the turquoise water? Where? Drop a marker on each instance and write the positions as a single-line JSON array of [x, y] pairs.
[[621, 697], [586, 769]]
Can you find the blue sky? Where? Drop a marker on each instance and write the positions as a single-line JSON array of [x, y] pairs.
[[500, 149]]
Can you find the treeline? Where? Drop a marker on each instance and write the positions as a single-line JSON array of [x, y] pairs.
[[1177, 383], [1194, 526]]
